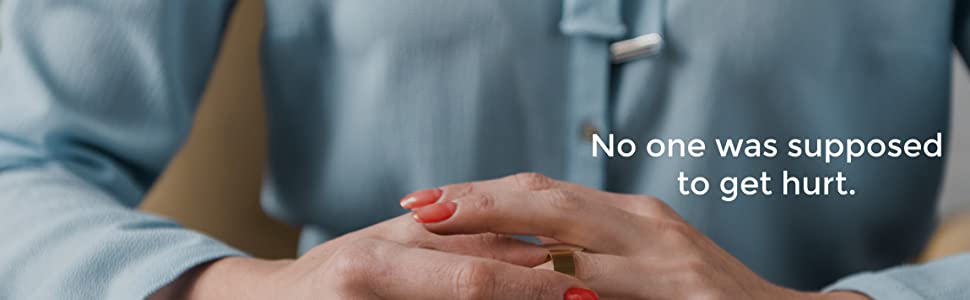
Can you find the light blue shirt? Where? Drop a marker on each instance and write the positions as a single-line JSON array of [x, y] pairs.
[[368, 100]]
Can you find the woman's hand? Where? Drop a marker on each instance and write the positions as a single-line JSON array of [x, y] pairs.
[[637, 247], [396, 259]]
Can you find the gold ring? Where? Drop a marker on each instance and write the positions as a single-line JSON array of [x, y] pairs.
[[562, 257], [563, 261]]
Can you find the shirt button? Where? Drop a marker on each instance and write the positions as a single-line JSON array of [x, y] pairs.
[[588, 131]]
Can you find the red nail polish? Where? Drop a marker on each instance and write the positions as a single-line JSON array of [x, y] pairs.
[[435, 213], [420, 198], [579, 294]]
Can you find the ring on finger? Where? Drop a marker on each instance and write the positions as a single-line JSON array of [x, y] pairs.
[[563, 258]]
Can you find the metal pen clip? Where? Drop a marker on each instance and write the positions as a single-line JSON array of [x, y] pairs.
[[638, 47]]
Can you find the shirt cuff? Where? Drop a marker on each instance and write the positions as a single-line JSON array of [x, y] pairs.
[[877, 286], [163, 270]]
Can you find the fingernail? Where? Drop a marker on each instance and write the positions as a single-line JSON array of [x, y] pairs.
[[420, 198], [435, 213], [579, 294]]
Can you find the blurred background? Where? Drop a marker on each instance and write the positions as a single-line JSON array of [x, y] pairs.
[[213, 184]]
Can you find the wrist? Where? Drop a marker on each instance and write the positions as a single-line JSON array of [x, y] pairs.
[[833, 295], [816, 295], [844, 295], [232, 278]]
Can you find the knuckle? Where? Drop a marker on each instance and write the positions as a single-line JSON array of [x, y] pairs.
[[364, 261], [693, 273], [349, 266], [474, 280], [533, 181], [646, 199], [482, 202], [695, 266], [642, 205], [402, 229], [563, 200], [652, 205], [458, 190], [676, 234], [675, 229], [666, 211], [692, 281]]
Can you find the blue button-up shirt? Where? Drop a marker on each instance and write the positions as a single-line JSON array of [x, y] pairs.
[[368, 100]]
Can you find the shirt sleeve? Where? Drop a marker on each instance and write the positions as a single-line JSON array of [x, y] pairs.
[[95, 97], [946, 278]]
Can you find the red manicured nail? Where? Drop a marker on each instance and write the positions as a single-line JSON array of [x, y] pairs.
[[435, 213], [420, 198], [579, 294]]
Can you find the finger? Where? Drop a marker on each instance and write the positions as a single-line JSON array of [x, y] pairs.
[[553, 213], [519, 182], [491, 246], [642, 205], [617, 277], [637, 204], [612, 277], [416, 273], [404, 230]]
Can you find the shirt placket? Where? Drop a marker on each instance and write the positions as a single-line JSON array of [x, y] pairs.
[[594, 26], [590, 25]]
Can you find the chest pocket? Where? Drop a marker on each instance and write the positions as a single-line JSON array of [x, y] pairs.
[[364, 25]]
